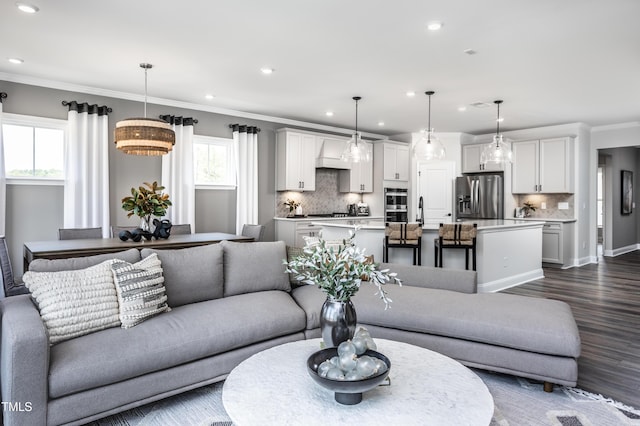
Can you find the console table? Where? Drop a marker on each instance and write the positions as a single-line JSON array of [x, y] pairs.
[[60, 249], [427, 388]]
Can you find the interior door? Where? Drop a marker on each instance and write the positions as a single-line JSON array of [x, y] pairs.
[[435, 186]]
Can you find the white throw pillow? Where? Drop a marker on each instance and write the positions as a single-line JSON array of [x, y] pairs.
[[75, 303], [140, 288]]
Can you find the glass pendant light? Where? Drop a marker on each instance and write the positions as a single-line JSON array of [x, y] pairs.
[[356, 150], [498, 151], [428, 147]]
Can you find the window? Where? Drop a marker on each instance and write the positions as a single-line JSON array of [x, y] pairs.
[[33, 147], [213, 161]]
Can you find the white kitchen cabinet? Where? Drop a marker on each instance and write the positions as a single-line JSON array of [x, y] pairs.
[[292, 232], [552, 243], [359, 178], [295, 161], [544, 166], [395, 162], [471, 160]]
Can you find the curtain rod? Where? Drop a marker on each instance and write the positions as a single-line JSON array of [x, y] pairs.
[[231, 126], [67, 103]]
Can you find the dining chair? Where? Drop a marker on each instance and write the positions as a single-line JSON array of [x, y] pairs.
[[79, 233], [254, 231], [403, 235], [456, 236], [9, 287], [181, 229]]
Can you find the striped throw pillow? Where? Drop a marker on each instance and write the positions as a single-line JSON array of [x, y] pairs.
[[75, 303], [140, 288]]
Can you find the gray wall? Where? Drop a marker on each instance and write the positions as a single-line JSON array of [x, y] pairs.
[[36, 212]]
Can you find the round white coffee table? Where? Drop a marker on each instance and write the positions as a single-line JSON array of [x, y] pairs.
[[273, 387]]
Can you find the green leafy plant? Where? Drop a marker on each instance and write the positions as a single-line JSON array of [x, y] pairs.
[[528, 206], [339, 269], [146, 201], [292, 204]]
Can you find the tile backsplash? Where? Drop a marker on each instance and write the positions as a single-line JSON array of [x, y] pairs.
[[552, 200], [325, 199]]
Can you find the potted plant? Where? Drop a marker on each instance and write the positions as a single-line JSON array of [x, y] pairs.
[[146, 201], [294, 207], [528, 207], [338, 269]]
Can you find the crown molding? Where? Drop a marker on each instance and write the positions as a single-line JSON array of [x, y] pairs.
[[59, 85], [617, 126]]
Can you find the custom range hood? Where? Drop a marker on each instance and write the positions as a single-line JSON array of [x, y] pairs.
[[330, 153]]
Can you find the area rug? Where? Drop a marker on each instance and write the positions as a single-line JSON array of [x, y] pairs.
[[518, 402]]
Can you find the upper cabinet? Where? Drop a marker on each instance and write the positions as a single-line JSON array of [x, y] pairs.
[[295, 161], [471, 160], [359, 178], [395, 162], [544, 166]]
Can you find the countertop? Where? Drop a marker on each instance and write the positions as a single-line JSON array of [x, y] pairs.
[[545, 219], [325, 219], [483, 224]]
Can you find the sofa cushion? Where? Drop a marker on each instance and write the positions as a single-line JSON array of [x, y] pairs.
[[140, 289], [74, 303], [71, 264], [519, 322], [250, 267], [193, 274], [185, 334]]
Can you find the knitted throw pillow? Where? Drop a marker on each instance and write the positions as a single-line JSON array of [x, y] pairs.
[[75, 303], [140, 288]]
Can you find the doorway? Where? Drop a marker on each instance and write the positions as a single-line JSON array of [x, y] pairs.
[[435, 186], [600, 211]]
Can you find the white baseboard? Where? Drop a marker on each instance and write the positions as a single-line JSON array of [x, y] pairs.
[[577, 262], [621, 250], [504, 283]]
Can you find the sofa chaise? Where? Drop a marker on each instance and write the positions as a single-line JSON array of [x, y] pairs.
[[231, 300]]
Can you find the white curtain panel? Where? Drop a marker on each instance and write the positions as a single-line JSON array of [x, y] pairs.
[[178, 174], [3, 182], [245, 142], [86, 186]]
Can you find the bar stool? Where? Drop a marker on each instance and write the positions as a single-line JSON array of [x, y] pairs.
[[403, 235], [456, 236]]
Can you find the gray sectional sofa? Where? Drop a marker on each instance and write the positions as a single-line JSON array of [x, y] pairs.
[[231, 300]]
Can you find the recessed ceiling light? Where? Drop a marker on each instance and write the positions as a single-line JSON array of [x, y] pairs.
[[381, 123], [462, 108], [267, 70], [16, 61], [329, 113], [27, 8], [434, 26], [500, 120], [411, 93], [209, 96]]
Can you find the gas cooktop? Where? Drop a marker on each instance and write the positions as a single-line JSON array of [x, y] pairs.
[[335, 214]]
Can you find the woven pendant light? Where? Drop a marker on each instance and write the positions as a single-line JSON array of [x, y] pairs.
[[144, 136]]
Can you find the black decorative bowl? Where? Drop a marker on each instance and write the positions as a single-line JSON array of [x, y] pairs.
[[347, 392]]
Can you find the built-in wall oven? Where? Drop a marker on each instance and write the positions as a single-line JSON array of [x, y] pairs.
[[395, 204]]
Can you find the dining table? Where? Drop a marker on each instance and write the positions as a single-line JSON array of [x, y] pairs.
[[61, 249]]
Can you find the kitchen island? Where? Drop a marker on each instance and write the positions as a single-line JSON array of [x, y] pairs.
[[509, 251]]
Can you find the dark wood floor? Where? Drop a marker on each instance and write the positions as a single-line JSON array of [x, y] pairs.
[[605, 300]]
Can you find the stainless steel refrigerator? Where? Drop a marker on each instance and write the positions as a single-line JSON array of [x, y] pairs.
[[480, 196]]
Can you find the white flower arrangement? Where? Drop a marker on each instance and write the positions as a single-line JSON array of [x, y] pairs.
[[339, 269]]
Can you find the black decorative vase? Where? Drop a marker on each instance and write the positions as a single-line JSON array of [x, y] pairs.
[[337, 322]]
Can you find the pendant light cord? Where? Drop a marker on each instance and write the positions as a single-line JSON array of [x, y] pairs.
[[429, 124], [145, 92], [357, 98]]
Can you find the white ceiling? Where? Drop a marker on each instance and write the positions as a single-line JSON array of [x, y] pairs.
[[551, 61]]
